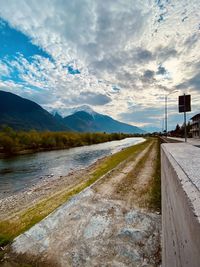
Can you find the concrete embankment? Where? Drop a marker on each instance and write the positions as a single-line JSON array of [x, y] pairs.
[[180, 172]]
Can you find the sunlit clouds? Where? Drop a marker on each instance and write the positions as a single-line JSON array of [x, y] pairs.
[[120, 57]]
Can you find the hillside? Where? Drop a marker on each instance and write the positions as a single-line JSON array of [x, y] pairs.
[[82, 121], [23, 114]]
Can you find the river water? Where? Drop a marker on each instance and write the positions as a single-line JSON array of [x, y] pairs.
[[20, 172]]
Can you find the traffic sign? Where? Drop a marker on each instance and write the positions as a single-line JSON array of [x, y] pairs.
[[184, 103]]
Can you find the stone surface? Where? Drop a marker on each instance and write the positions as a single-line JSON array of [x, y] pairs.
[[93, 231], [180, 205]]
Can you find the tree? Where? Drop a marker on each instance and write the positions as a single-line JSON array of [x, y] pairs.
[[8, 144]]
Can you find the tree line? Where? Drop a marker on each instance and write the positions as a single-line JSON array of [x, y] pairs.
[[13, 142], [179, 131]]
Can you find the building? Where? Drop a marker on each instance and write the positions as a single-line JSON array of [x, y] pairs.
[[195, 129]]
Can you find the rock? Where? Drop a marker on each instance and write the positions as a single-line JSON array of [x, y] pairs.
[[134, 234], [133, 217], [96, 226], [131, 254]]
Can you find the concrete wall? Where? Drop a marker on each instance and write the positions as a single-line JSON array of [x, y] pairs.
[[180, 167]]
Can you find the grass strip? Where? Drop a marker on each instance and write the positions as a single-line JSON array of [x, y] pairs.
[[11, 228], [155, 186], [149, 196], [128, 182]]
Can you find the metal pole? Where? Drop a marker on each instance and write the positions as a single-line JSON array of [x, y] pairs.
[[166, 115], [185, 129], [199, 129]]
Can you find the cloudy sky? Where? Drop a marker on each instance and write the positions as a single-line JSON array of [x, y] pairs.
[[118, 56]]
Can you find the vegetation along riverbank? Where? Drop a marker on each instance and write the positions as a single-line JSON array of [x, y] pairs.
[[21, 142]]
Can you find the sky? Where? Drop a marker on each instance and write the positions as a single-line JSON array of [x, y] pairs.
[[120, 57]]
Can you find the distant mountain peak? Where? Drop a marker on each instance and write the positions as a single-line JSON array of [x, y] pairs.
[[58, 117], [85, 119], [85, 108], [55, 113]]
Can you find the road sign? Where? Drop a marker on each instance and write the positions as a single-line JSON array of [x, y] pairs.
[[184, 103]]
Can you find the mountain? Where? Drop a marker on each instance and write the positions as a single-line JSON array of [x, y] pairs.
[[151, 129], [58, 117], [82, 121], [23, 114], [71, 111]]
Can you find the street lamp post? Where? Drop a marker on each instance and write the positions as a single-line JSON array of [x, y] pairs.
[[166, 114], [166, 99]]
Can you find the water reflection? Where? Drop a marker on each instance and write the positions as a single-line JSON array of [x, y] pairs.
[[20, 172]]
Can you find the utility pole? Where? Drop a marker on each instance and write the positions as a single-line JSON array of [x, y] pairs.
[[185, 127], [166, 115]]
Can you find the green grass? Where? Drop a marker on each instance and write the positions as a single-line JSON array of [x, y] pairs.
[[4, 239], [133, 175], [149, 196], [155, 191], [10, 228]]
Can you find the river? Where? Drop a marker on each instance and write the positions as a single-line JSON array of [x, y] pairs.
[[20, 172]]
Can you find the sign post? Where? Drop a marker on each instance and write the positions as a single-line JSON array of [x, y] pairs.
[[184, 104], [185, 127]]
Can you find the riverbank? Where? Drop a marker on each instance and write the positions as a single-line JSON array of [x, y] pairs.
[[119, 207], [21, 172], [13, 143], [20, 211]]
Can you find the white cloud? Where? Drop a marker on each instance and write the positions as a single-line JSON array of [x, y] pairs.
[[115, 42], [4, 69]]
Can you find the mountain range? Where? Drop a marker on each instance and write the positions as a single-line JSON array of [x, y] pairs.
[[23, 114]]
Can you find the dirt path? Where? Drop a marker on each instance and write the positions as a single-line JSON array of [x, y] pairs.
[[109, 183], [137, 196], [103, 225]]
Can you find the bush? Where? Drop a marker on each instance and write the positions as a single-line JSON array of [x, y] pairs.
[[8, 144]]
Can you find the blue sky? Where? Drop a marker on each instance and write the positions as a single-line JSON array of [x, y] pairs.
[[119, 57], [12, 41]]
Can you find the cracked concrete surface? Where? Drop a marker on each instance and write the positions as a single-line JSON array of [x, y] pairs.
[[81, 233]]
